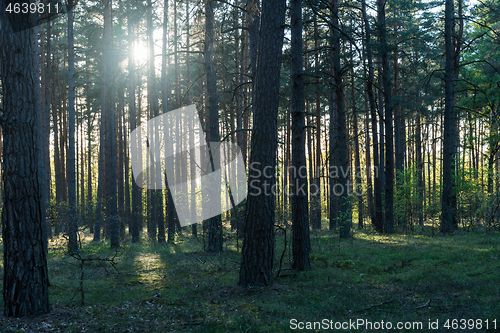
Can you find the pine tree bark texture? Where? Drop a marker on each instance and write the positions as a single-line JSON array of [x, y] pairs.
[[25, 282], [258, 240]]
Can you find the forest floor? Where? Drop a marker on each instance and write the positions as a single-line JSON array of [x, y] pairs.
[[407, 278]]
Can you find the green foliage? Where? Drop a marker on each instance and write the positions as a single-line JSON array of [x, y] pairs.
[[471, 195], [407, 197]]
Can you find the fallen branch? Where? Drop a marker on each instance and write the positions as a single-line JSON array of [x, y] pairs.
[[81, 266]]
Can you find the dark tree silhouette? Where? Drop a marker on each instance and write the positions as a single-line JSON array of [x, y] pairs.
[[300, 218], [25, 281], [258, 235]]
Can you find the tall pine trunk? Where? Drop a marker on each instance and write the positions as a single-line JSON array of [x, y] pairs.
[[25, 280], [136, 203], [389, 147], [300, 218], [344, 207], [258, 240], [110, 132], [377, 217], [214, 223], [72, 225], [448, 210]]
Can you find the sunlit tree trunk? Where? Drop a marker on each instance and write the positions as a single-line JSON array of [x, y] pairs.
[[357, 164], [136, 203], [47, 78], [164, 94]]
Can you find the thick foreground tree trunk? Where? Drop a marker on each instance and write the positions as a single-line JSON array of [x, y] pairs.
[[25, 281], [258, 236]]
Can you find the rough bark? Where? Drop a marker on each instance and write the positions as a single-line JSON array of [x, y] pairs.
[[25, 280], [258, 240]]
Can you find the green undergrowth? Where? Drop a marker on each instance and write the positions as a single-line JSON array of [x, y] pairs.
[[157, 288]]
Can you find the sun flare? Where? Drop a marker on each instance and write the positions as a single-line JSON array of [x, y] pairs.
[[140, 52]]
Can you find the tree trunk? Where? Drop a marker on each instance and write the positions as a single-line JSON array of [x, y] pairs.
[[316, 197], [25, 280], [46, 124], [57, 157], [420, 166], [398, 128], [254, 15], [72, 225], [448, 210], [120, 161], [164, 95], [192, 167], [300, 218], [110, 140], [136, 203], [377, 218], [357, 164], [389, 147], [90, 118], [215, 223], [342, 150], [258, 240]]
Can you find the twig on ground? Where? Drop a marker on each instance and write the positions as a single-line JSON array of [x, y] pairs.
[[425, 305]]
